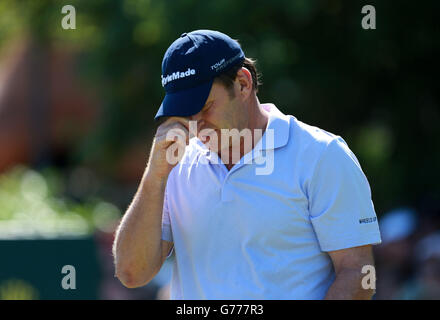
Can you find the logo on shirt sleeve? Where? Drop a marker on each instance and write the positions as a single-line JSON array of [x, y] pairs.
[[367, 220]]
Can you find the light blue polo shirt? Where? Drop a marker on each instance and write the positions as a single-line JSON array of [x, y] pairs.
[[242, 235]]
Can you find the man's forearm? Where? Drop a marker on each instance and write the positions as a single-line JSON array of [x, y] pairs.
[[348, 286], [138, 239]]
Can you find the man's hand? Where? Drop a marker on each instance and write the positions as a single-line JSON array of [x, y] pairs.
[[176, 127]]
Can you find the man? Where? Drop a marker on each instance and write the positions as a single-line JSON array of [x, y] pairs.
[[302, 229]]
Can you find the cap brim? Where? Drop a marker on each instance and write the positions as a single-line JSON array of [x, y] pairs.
[[184, 103]]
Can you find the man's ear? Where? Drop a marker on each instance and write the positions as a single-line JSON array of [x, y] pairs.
[[244, 78]]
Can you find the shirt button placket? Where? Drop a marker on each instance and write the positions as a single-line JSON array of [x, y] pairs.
[[226, 192]]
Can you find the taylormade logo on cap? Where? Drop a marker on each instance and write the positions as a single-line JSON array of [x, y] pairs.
[[177, 75]]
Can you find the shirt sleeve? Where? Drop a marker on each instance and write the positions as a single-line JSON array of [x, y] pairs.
[[341, 210], [167, 235]]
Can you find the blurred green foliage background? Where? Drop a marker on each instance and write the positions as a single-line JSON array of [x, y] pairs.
[[33, 205]]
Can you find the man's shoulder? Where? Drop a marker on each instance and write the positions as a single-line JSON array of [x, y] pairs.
[[310, 134], [300, 132], [307, 141], [313, 142]]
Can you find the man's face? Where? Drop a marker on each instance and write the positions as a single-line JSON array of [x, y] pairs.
[[221, 111]]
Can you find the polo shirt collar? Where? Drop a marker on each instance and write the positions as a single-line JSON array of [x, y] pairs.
[[279, 123]]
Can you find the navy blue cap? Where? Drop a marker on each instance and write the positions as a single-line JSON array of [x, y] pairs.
[[189, 67]]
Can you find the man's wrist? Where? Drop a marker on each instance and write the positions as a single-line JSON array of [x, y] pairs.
[[154, 179]]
